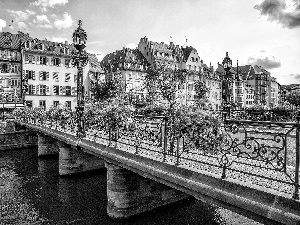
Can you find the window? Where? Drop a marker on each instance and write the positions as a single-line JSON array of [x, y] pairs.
[[30, 74], [55, 89], [55, 76], [68, 90], [43, 75], [56, 61], [68, 104], [43, 60], [55, 103], [29, 104], [14, 69], [42, 103], [67, 62], [42, 89], [14, 82], [30, 89], [4, 68], [67, 77], [75, 78]]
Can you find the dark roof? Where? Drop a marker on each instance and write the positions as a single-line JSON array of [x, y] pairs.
[[130, 59], [10, 41], [186, 52], [94, 63]]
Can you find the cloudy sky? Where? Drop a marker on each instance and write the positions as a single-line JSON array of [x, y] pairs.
[[265, 32]]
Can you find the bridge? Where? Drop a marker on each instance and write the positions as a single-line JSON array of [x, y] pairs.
[[255, 168]]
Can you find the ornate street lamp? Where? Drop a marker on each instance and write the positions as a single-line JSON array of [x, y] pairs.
[[79, 60], [226, 81]]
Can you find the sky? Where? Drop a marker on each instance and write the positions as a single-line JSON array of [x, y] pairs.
[[264, 32]]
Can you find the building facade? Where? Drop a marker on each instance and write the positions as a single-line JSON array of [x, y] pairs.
[[40, 72], [10, 67]]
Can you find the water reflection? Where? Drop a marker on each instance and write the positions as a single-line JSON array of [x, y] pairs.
[[32, 192]]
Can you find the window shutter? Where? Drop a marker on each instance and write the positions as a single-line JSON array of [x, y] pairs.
[[37, 89], [25, 74], [47, 76], [73, 91], [33, 59], [26, 58], [33, 75], [33, 90], [41, 75], [47, 90]]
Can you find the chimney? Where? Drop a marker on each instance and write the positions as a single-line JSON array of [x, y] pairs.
[[66, 42]]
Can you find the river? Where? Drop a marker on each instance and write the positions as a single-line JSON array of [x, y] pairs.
[[32, 192]]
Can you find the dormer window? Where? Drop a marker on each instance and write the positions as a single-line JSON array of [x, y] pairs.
[[27, 44]]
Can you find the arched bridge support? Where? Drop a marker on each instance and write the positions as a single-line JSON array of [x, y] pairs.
[[130, 194], [74, 160], [47, 146]]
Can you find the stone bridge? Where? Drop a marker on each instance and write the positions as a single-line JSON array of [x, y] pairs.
[[139, 181]]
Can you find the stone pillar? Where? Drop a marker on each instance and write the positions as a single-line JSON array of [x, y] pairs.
[[73, 160], [46, 146], [130, 194]]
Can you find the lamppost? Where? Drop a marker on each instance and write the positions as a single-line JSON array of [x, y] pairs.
[[226, 82], [79, 60]]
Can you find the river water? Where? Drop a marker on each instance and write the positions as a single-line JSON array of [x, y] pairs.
[[31, 192]]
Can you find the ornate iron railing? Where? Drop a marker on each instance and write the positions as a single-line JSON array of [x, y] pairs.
[[260, 115], [262, 153]]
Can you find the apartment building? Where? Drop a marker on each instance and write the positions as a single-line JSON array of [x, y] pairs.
[[10, 67]]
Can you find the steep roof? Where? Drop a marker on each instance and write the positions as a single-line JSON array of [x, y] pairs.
[[131, 59], [10, 41], [94, 63], [186, 52]]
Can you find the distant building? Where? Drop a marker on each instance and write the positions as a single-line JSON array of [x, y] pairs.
[[10, 67], [252, 85], [130, 66], [186, 58], [41, 70]]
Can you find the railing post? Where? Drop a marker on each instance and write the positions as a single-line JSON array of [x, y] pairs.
[[177, 150], [296, 193], [165, 140]]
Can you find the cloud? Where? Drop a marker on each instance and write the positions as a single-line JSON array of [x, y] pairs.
[[267, 62], [286, 12], [41, 19], [22, 25], [20, 15], [2, 24], [66, 22], [45, 4], [58, 39], [96, 42], [131, 45], [296, 76], [99, 55]]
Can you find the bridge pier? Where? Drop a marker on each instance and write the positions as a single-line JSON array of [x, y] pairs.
[[73, 160], [130, 194], [46, 146]]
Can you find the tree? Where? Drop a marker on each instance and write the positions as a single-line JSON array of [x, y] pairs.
[[106, 90], [201, 94], [162, 80], [294, 98]]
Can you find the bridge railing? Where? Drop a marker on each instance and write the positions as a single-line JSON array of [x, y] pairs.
[[275, 115], [261, 153]]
